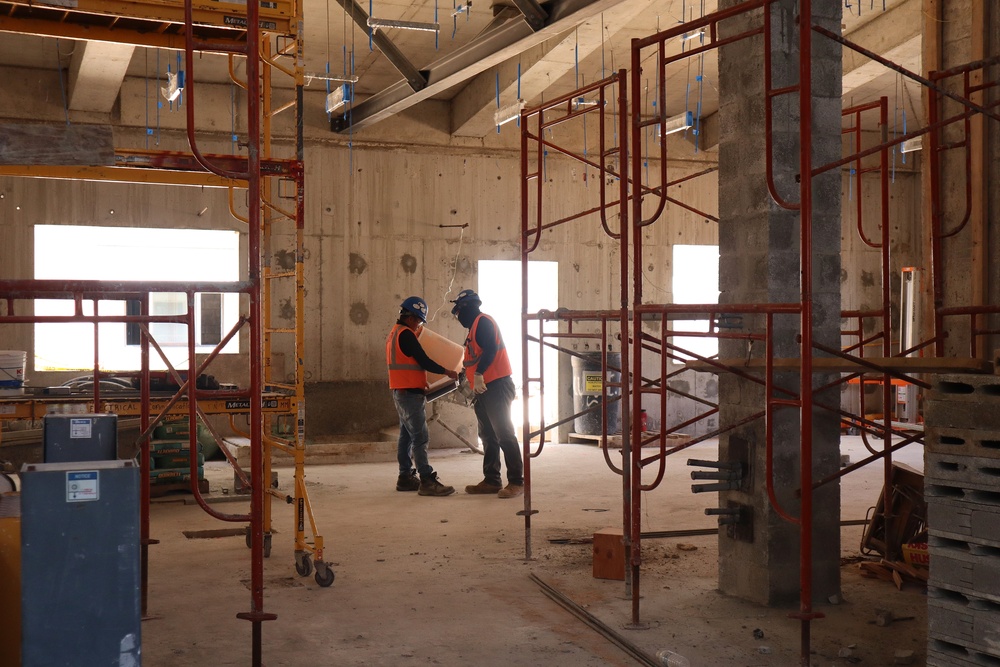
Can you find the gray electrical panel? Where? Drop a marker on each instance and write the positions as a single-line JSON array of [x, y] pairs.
[[80, 438], [80, 587]]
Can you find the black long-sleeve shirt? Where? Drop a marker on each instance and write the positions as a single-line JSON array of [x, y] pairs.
[[410, 346], [486, 338]]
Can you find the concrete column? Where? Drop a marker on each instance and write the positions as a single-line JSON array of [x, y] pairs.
[[760, 263]]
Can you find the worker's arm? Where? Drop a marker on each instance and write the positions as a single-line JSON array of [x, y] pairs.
[[411, 347], [486, 338]]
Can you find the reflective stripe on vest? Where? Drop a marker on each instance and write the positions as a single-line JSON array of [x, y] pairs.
[[404, 371], [501, 362]]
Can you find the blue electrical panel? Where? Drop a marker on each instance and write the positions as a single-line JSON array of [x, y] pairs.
[[80, 580]]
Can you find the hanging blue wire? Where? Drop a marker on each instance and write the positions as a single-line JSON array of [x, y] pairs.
[[498, 98], [180, 82], [232, 117], [904, 131], [329, 115], [437, 33], [519, 90], [850, 185], [159, 103], [371, 12], [149, 130], [700, 78]]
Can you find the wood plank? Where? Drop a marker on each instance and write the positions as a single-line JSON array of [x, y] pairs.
[[37, 144], [838, 365]]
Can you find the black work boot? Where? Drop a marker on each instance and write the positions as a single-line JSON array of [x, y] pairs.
[[430, 486], [408, 481]]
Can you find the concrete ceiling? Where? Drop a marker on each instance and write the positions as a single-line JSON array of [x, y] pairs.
[[590, 40]]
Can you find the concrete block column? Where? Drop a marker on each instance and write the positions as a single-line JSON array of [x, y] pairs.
[[760, 263]]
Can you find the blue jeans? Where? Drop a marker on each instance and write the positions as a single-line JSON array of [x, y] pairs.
[[497, 432], [413, 436]]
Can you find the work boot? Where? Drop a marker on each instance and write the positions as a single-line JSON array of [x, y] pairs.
[[430, 486], [484, 487], [511, 491], [408, 481]]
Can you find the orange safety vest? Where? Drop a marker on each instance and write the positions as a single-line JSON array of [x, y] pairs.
[[500, 367], [404, 371]]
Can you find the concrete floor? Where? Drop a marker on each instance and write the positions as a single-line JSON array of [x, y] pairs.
[[443, 581]]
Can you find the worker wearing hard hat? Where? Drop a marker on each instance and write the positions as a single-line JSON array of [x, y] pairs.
[[488, 370], [408, 368]]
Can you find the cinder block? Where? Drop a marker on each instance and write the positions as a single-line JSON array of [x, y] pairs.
[[609, 554], [965, 472], [970, 569], [966, 621], [962, 441], [966, 388], [963, 514], [970, 414], [947, 654]]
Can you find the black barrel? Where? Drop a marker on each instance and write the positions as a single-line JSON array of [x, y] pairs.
[[587, 381]]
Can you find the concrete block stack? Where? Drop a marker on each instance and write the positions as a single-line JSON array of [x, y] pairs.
[[962, 489]]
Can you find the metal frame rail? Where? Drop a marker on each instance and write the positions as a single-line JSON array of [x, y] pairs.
[[535, 122]]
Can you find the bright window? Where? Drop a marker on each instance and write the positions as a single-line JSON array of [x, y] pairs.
[[696, 280], [64, 252]]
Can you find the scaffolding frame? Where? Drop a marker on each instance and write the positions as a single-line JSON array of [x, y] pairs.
[[855, 365], [270, 182]]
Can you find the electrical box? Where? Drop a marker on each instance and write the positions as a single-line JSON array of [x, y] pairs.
[[80, 584], [70, 438]]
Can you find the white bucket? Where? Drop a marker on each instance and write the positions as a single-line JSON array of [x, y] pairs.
[[12, 370]]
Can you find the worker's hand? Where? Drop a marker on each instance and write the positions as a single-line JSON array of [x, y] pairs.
[[479, 385], [452, 374]]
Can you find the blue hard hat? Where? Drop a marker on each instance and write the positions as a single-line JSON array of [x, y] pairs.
[[466, 297], [415, 306]]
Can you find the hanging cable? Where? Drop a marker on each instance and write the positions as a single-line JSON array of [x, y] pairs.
[[145, 70], [454, 273], [498, 96], [371, 13]]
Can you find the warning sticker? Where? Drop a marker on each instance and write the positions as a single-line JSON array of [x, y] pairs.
[[80, 428], [82, 485], [592, 382]]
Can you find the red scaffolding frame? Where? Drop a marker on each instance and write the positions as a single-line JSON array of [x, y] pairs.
[[634, 341]]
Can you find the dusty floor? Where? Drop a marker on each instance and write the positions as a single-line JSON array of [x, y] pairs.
[[443, 581]]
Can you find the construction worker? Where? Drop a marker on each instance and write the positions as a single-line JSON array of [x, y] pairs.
[[487, 368], [408, 368]]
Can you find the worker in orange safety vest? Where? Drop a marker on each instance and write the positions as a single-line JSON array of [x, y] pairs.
[[487, 367], [408, 368]]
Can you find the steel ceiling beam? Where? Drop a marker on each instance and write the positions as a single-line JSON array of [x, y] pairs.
[[415, 81], [501, 40], [533, 13]]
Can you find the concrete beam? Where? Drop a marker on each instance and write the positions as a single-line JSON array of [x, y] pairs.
[[472, 109], [895, 34], [96, 74]]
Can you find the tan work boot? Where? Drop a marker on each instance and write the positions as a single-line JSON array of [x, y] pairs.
[[511, 491], [484, 487]]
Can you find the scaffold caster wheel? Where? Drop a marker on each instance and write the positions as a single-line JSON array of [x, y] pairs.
[[324, 575], [303, 565], [267, 545]]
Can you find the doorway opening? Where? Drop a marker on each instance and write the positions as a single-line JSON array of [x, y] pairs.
[[500, 290]]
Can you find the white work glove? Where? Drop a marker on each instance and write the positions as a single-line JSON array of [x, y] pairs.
[[479, 384]]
